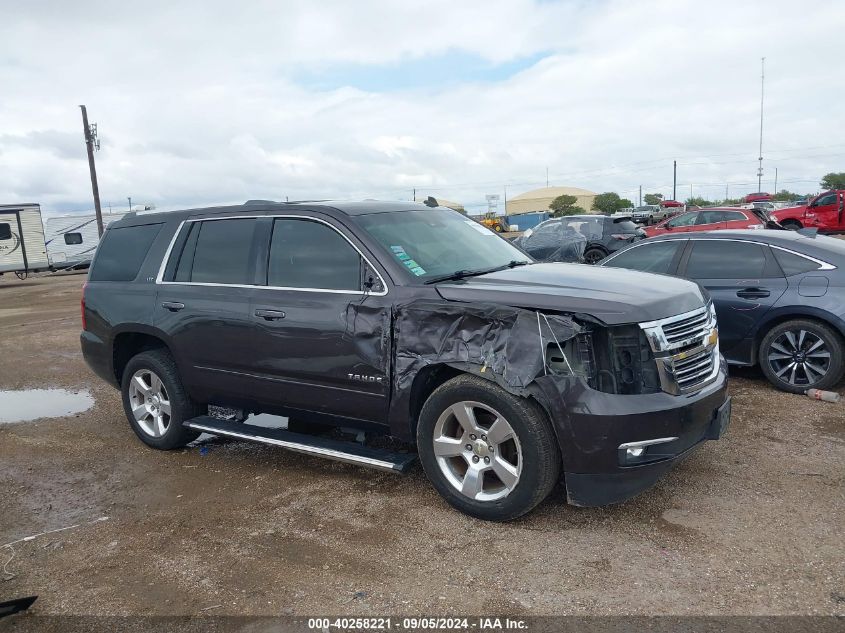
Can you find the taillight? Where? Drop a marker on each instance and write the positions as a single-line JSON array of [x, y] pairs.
[[82, 306]]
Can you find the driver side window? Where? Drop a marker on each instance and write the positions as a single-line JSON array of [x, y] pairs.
[[685, 219], [825, 200]]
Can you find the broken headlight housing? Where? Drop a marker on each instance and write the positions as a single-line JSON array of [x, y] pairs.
[[614, 360]]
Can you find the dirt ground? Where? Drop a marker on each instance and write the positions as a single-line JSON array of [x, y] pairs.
[[752, 524]]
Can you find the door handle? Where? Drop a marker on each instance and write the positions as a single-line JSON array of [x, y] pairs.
[[173, 306], [753, 293], [270, 315]]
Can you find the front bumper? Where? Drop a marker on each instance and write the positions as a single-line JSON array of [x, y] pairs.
[[591, 432]]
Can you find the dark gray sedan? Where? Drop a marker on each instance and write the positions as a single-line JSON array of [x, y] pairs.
[[779, 296]]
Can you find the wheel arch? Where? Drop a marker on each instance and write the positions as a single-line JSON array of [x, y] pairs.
[[131, 341], [777, 317]]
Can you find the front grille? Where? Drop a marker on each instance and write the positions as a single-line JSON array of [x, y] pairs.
[[688, 329], [685, 349]]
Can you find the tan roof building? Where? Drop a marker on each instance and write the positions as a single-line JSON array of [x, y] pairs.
[[540, 199]]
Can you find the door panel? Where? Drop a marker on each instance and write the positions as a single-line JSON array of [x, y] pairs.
[[743, 280], [209, 336], [321, 351]]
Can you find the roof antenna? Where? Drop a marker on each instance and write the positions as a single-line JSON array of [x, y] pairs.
[[431, 202]]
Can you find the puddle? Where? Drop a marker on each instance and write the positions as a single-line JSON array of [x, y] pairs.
[[32, 404]]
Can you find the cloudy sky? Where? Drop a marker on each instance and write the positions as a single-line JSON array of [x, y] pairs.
[[213, 102]]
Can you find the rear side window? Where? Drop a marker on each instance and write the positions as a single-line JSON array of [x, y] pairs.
[[710, 217], [307, 254], [721, 259], [733, 216], [650, 258], [73, 238], [122, 251], [793, 264], [5, 231], [223, 253]]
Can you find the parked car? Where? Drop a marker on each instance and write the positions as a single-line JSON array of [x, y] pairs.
[[503, 373], [713, 220], [601, 235], [645, 214], [760, 196], [779, 297], [825, 212]]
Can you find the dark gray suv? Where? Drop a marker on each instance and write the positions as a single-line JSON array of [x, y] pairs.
[[396, 319]]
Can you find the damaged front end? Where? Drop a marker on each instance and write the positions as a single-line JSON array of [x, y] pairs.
[[656, 386]]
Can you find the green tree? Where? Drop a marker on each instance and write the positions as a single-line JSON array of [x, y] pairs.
[[698, 201], [834, 180], [732, 202], [653, 198], [563, 205], [624, 203], [785, 196], [608, 203]]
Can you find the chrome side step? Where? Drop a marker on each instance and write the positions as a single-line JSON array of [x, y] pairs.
[[348, 452]]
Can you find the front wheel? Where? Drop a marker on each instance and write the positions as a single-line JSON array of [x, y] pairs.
[[155, 401], [802, 354], [488, 453]]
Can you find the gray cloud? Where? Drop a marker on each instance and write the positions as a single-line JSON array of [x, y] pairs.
[[196, 105]]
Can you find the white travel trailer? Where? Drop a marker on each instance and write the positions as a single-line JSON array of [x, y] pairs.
[[22, 248], [72, 239]]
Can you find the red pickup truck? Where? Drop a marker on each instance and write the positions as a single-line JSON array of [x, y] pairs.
[[824, 212]]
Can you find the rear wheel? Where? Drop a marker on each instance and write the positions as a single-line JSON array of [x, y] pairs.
[[155, 402], [594, 255], [488, 453], [802, 354], [792, 225]]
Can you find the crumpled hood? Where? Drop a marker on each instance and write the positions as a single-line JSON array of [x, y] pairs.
[[612, 295]]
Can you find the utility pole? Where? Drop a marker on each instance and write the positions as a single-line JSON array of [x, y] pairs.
[[415, 194], [91, 143], [690, 190], [130, 203], [547, 177], [506, 199], [641, 196], [776, 180], [760, 156], [726, 192], [674, 179]]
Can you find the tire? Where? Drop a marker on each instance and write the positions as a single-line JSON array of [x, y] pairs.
[[527, 454], [156, 370], [594, 255], [794, 362], [498, 228], [792, 225]]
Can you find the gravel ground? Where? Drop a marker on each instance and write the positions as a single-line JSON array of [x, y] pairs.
[[751, 524]]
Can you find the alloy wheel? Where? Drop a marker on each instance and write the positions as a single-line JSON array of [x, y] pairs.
[[477, 451], [799, 357], [149, 402]]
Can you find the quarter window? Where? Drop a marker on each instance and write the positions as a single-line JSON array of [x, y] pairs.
[[73, 238], [722, 259], [223, 252], [122, 251], [309, 254], [5, 231], [793, 264]]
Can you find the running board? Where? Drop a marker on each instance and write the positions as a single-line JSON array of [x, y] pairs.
[[348, 452]]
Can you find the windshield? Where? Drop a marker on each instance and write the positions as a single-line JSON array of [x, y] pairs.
[[437, 242]]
